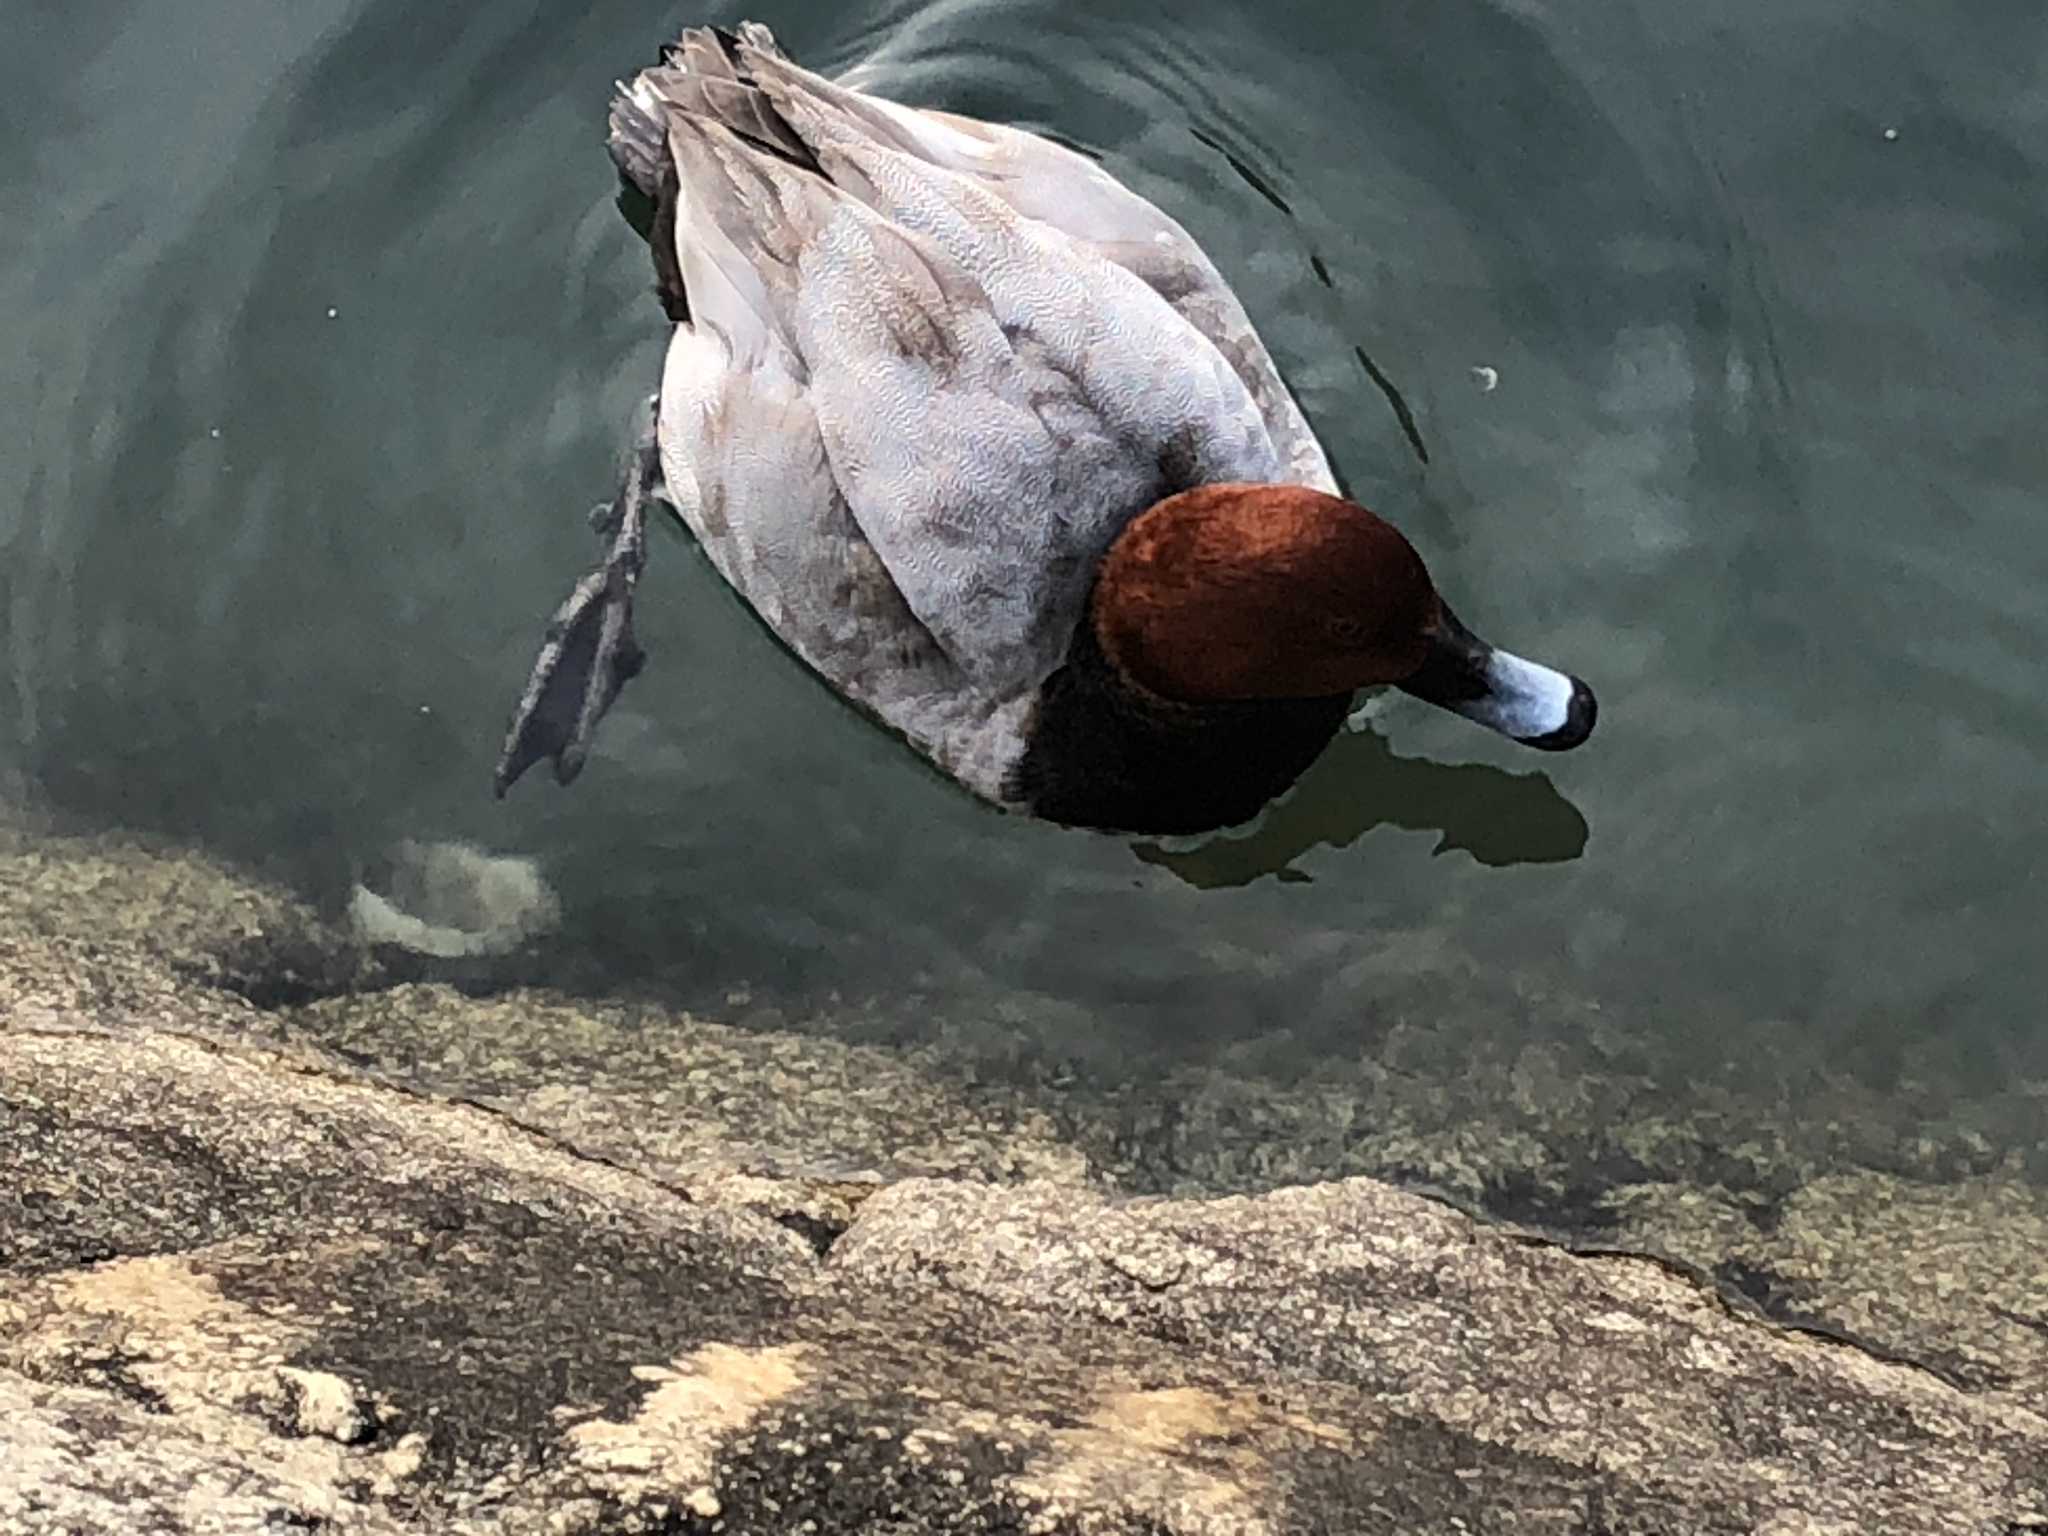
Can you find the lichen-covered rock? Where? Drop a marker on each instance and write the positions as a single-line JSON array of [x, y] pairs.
[[310, 1273], [240, 1285], [406, 1261]]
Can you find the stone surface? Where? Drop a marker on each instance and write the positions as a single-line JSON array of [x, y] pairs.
[[1910, 1221], [238, 1283], [285, 1246]]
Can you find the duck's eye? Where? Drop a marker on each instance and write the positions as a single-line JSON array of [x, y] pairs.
[[1350, 633]]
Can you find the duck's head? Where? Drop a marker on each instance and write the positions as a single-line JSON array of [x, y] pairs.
[[1242, 592]]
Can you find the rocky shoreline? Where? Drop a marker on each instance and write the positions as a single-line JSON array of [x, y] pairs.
[[286, 1245]]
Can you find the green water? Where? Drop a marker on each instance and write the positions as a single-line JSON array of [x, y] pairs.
[[323, 333]]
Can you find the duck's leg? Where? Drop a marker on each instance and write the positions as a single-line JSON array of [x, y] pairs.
[[588, 652]]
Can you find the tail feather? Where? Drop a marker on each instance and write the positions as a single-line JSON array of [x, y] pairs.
[[815, 110], [638, 142], [682, 134], [704, 74]]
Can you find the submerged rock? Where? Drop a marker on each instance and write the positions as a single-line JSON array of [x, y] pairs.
[[454, 901]]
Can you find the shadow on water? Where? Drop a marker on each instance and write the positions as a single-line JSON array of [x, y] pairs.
[[1497, 817]]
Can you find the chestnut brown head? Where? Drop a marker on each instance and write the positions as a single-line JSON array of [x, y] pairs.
[[1241, 592]]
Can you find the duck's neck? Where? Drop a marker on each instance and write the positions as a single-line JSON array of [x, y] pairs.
[[1226, 632]]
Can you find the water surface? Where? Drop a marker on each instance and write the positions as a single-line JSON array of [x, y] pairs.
[[325, 333]]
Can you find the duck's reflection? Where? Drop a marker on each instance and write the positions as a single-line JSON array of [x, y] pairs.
[[1360, 783]]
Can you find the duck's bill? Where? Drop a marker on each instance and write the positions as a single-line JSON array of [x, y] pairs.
[[1524, 700]]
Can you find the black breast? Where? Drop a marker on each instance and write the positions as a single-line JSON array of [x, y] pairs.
[[1101, 754]]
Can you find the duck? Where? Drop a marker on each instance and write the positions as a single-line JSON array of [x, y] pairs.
[[990, 445]]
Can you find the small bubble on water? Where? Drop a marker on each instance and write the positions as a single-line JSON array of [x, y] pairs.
[[1891, 135], [332, 312]]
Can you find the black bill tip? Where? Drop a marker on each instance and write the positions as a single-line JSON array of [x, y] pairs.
[[1581, 712]]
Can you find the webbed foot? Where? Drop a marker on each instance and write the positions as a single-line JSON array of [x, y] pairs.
[[588, 652]]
